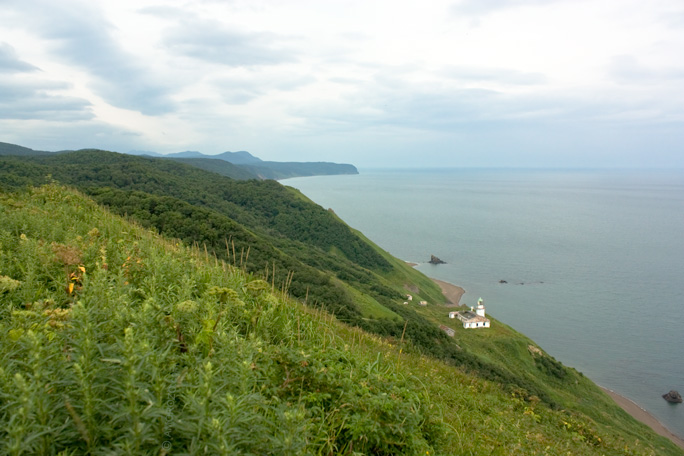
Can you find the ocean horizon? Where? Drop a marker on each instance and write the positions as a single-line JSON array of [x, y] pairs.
[[587, 263]]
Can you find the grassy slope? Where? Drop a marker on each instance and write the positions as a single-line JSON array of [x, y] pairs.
[[157, 347]]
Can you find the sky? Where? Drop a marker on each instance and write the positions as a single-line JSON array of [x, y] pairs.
[[398, 83]]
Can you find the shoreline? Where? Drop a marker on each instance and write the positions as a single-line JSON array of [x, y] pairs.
[[453, 293], [640, 414]]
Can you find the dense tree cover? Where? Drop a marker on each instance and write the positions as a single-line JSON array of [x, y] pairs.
[[284, 170], [217, 166], [13, 149], [259, 205]]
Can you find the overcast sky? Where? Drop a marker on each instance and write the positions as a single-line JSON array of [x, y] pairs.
[[539, 83]]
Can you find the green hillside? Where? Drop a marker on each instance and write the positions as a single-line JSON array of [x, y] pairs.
[[266, 263], [13, 149], [119, 341], [284, 170], [217, 166]]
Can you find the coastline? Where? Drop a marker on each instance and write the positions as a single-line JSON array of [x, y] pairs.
[[453, 293], [642, 415]]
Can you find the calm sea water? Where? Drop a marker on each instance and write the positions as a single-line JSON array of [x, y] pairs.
[[594, 260]]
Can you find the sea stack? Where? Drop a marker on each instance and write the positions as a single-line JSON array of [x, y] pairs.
[[673, 397], [435, 260]]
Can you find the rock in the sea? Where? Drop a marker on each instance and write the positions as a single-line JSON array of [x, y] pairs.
[[673, 397], [435, 260]]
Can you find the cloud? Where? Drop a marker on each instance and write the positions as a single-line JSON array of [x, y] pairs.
[[217, 43], [65, 135], [80, 35], [498, 75], [10, 62], [243, 88], [22, 99], [484, 7], [626, 69]]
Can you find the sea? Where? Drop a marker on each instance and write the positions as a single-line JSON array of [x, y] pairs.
[[587, 263]]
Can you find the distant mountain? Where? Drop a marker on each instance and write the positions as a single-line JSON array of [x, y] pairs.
[[221, 167], [285, 170], [239, 165], [237, 158], [144, 153], [186, 154]]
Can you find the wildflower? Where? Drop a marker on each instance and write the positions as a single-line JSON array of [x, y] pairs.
[[8, 284]]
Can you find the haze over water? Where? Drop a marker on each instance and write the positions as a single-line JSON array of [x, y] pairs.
[[594, 260]]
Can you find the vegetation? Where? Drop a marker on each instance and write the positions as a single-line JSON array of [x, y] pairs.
[[217, 166], [284, 170], [121, 342], [268, 279]]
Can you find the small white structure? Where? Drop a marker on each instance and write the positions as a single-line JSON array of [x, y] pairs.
[[409, 297], [423, 303], [473, 318]]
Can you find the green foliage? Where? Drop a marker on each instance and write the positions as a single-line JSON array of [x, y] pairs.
[[159, 349], [162, 351], [142, 317]]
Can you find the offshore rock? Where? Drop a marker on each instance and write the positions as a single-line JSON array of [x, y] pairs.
[[673, 397], [435, 260]]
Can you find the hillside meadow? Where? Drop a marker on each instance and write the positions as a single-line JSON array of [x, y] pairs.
[[120, 341]]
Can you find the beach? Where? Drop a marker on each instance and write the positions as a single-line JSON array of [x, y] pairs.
[[642, 415], [454, 293]]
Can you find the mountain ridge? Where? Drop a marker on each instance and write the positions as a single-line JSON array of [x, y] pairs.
[[245, 165]]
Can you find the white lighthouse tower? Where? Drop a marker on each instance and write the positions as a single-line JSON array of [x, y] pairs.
[[480, 308]]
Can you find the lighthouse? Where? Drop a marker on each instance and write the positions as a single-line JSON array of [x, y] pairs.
[[480, 308]]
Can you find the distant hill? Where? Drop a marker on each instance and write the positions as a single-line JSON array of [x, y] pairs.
[[217, 166], [237, 158], [267, 169], [239, 165], [13, 149], [285, 170]]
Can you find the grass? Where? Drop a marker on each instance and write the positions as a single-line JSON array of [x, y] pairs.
[[119, 341]]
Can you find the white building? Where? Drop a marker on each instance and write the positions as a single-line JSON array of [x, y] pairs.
[[473, 318]]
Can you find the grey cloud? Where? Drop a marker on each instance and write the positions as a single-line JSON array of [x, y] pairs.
[[34, 100], [240, 90], [390, 102], [217, 43], [70, 135], [10, 62], [82, 37]]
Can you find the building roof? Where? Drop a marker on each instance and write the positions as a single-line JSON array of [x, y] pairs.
[[469, 316]]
